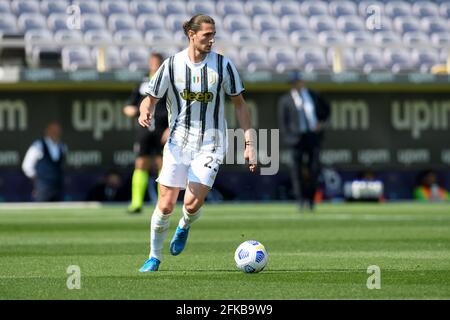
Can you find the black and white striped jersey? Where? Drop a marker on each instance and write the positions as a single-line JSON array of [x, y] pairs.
[[195, 99]]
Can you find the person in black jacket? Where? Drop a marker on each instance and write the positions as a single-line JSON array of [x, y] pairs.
[[302, 114], [44, 164], [149, 141]]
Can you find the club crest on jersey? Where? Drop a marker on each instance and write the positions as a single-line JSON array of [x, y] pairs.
[[197, 96]]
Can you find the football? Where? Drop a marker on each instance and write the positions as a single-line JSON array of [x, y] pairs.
[[251, 256]]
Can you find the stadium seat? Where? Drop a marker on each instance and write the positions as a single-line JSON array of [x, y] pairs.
[[444, 55], [138, 7], [386, 38], [300, 38], [128, 37], [227, 7], [284, 8], [146, 22], [254, 58], [369, 59], [68, 37], [312, 59], [135, 58], [434, 24], [425, 9], [240, 38], [57, 21], [112, 57], [109, 7], [413, 39], [359, 38], [119, 21], [232, 53], [398, 9], [76, 57], [95, 37], [31, 21], [197, 6], [174, 22], [154, 37], [5, 7], [406, 24], [20, 7], [8, 23], [88, 6], [444, 9], [350, 23], [179, 38], [282, 58], [330, 38], [322, 23], [347, 58], [290, 23], [38, 37], [172, 7], [92, 22], [398, 60], [440, 39], [314, 8], [426, 58], [273, 38], [234, 22], [258, 7], [342, 8], [49, 7], [264, 22]]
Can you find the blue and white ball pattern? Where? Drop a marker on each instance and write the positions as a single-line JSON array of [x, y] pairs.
[[251, 256]]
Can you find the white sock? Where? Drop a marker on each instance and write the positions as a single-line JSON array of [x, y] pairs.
[[188, 218], [158, 232]]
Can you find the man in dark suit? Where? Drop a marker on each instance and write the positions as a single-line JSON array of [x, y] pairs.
[[302, 114]]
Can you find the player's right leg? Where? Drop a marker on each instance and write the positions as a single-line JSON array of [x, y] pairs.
[[159, 226]]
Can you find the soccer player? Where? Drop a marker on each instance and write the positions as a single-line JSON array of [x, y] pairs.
[[149, 141], [196, 81]]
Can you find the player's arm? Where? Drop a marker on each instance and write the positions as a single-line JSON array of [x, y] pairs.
[[243, 116], [147, 110]]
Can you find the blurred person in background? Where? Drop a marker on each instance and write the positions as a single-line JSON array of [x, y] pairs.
[[109, 189], [428, 188], [43, 164], [302, 114], [149, 141]]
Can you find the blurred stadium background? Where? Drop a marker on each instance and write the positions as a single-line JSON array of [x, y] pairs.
[[383, 65]]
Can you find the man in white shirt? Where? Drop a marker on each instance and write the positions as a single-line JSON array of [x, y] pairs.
[[195, 81], [43, 164]]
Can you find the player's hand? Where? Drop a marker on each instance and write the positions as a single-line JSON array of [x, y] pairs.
[[250, 156], [130, 111], [145, 115]]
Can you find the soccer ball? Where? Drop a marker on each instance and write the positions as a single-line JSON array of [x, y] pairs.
[[251, 256]]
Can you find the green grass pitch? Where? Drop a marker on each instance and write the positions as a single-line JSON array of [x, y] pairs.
[[321, 255]]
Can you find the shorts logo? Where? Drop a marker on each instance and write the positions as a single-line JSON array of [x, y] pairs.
[[197, 96]]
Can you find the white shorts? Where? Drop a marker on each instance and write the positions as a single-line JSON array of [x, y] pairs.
[[181, 166]]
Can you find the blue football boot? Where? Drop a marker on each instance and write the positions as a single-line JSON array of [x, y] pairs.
[[150, 265], [179, 241]]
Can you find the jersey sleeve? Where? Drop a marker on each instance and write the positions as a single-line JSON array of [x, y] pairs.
[[232, 80], [159, 82]]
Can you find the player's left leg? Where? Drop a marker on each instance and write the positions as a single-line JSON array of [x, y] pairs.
[[193, 201], [202, 173]]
